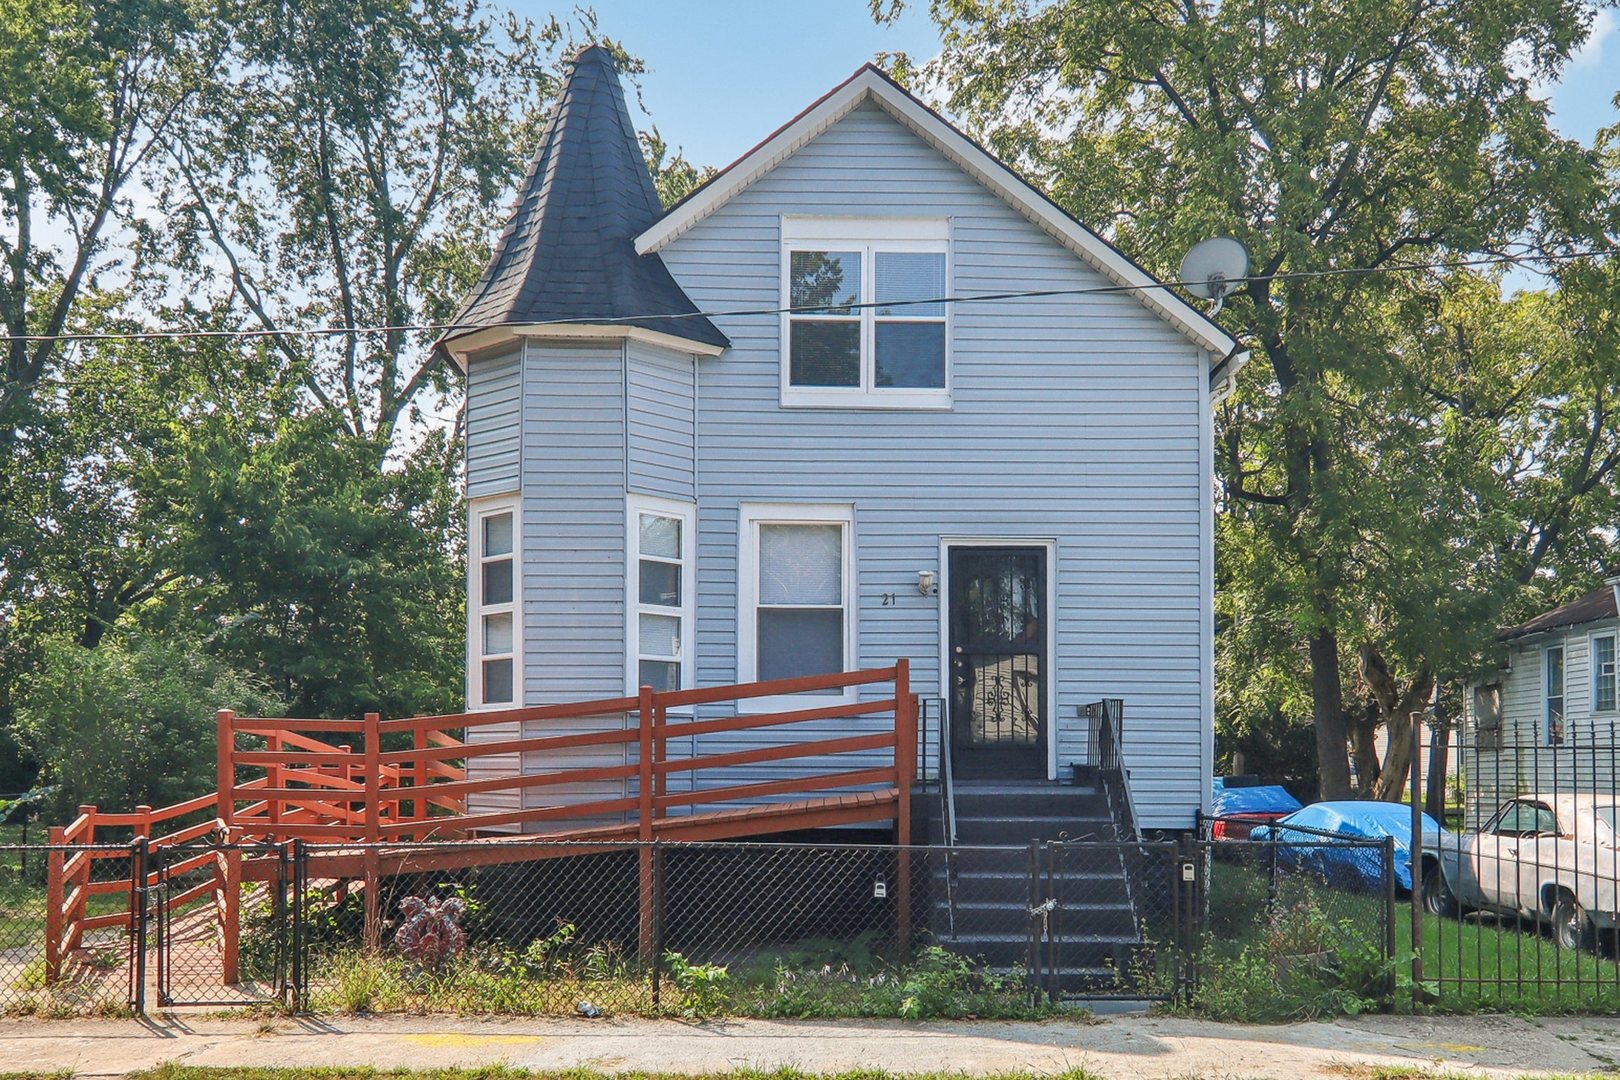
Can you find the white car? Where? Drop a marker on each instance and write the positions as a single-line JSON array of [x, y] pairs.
[[1551, 858]]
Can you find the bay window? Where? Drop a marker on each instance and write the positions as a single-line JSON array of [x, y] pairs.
[[661, 604], [495, 630]]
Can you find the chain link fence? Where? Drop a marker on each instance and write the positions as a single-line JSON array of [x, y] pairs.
[[1295, 922], [531, 927]]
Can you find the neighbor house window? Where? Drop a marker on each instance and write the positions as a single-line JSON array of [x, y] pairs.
[[795, 616], [661, 603], [866, 324], [1604, 696], [493, 605], [1553, 683]]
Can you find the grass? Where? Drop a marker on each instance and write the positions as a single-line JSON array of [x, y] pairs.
[[1471, 965], [1414, 1072], [495, 981]]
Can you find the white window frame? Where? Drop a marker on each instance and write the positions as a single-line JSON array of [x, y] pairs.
[[867, 235], [686, 513], [750, 517], [1596, 675], [477, 511], [1546, 696]]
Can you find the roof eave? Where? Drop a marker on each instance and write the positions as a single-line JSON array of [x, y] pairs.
[[871, 84], [459, 348]]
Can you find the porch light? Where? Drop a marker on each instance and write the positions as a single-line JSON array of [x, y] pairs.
[[925, 582]]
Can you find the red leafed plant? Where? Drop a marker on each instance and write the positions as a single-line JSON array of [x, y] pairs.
[[430, 932]]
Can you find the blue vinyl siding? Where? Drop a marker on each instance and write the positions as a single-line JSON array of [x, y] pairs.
[[661, 389], [494, 418], [1075, 418]]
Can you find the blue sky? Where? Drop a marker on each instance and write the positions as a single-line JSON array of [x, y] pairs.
[[724, 73]]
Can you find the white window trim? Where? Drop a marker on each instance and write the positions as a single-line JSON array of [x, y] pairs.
[[750, 517], [477, 511], [867, 235], [686, 513], [1546, 708], [1591, 662]]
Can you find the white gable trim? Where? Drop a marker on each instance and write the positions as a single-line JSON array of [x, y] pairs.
[[868, 84]]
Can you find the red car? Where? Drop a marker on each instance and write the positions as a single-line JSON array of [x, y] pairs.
[[1235, 811]]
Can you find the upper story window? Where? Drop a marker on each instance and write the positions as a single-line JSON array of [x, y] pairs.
[[1605, 692], [493, 605], [868, 326], [662, 608]]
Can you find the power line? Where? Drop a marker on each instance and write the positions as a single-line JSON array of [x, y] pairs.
[[809, 309]]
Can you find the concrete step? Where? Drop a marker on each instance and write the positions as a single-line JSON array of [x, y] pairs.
[[1020, 829], [1076, 951], [975, 918], [1050, 801]]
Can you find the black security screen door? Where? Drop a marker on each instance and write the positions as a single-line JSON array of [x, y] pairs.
[[998, 618]]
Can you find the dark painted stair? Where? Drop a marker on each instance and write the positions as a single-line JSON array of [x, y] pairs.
[[980, 899]]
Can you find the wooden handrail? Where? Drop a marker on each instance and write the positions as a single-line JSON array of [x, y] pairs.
[[312, 789]]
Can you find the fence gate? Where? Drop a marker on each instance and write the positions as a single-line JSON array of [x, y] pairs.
[[1109, 919], [217, 940]]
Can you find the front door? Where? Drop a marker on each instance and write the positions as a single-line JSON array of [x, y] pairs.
[[998, 694]]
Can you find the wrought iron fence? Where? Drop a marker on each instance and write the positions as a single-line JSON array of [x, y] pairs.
[[1520, 894], [535, 927]]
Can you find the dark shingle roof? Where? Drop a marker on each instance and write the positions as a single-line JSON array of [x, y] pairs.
[[568, 254], [1589, 608]]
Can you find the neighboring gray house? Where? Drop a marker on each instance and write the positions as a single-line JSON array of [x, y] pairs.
[[658, 496], [1548, 718]]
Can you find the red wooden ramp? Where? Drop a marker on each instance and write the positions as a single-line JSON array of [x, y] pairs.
[[349, 797]]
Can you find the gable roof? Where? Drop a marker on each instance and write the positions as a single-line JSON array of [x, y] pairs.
[[870, 84], [1593, 607], [566, 255]]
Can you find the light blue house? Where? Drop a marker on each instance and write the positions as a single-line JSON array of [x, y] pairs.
[[863, 449]]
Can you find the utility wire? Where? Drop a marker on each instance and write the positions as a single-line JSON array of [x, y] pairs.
[[804, 309]]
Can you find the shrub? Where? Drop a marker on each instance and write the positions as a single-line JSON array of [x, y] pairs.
[[130, 721], [704, 987]]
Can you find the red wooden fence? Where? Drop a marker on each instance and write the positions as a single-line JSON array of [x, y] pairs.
[[323, 790]]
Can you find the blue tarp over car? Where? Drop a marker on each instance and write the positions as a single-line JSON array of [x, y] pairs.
[[1358, 866], [1263, 799]]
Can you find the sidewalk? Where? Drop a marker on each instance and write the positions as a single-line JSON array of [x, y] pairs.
[[1118, 1048]]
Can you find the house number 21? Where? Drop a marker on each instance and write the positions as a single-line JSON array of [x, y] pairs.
[[890, 599]]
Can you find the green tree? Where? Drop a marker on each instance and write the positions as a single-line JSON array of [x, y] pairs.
[[347, 174], [89, 91], [340, 584], [130, 722], [1327, 138]]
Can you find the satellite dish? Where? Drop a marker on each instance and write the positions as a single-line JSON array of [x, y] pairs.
[[1214, 267]]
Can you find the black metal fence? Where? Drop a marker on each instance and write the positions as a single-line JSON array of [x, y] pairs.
[[768, 929], [1520, 892]]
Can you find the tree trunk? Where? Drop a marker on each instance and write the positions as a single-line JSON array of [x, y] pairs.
[[1362, 730], [1397, 766], [1327, 706]]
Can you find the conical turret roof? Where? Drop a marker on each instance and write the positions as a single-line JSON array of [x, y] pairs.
[[567, 255]]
